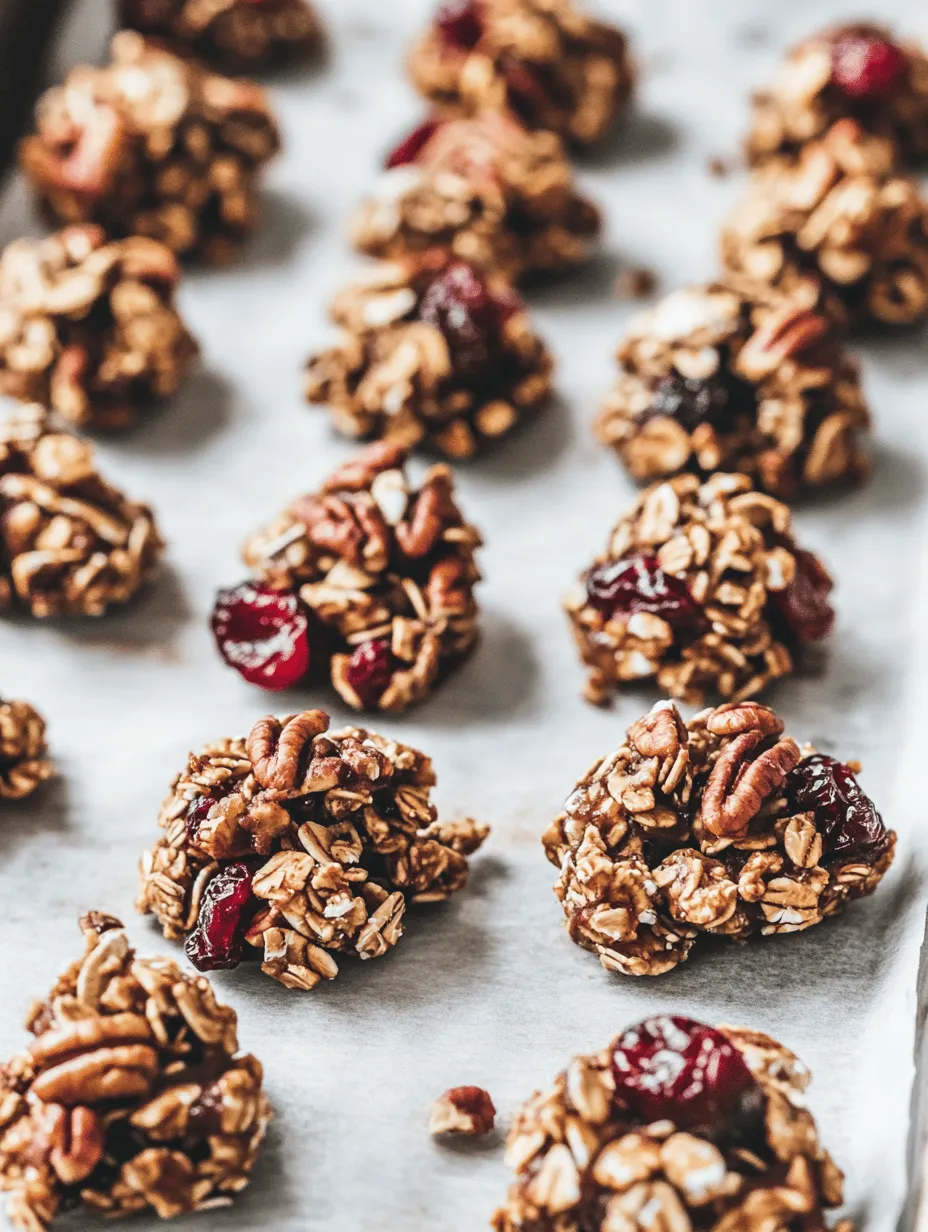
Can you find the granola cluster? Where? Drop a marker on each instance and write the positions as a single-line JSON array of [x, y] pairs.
[[70, 544], [132, 1095], [302, 844], [858, 71], [712, 381], [154, 145], [616, 1144], [90, 328], [721, 825], [233, 34], [431, 352], [555, 67], [385, 574], [485, 188], [24, 761], [702, 586], [836, 230]]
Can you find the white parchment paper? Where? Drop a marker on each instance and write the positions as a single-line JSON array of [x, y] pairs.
[[487, 989]]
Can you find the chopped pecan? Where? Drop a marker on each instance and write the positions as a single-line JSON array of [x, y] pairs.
[[462, 1110]]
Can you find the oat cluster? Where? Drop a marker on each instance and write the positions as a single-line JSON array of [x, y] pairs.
[[703, 587], [488, 190], [70, 544], [132, 1094], [231, 34], [712, 381], [154, 145], [24, 760], [806, 96], [556, 67], [332, 834], [836, 230], [582, 1160], [379, 564], [90, 327], [404, 371], [721, 825]]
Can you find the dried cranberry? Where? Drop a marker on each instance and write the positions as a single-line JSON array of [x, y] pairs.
[[370, 670], [844, 814], [866, 67], [460, 24], [639, 584], [218, 938], [412, 145], [803, 605], [672, 1068], [197, 813], [718, 400], [263, 633], [470, 316]]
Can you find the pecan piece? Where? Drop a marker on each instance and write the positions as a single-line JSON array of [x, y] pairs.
[[462, 1110]]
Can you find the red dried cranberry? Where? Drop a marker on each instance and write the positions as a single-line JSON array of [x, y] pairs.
[[263, 633], [672, 1068], [717, 400], [197, 813], [412, 145], [460, 24], [639, 584], [804, 605], [218, 939], [470, 316], [370, 670], [867, 67], [844, 814]]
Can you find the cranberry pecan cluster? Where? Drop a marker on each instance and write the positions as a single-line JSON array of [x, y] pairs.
[[70, 544], [90, 328], [674, 1126], [836, 230], [721, 825], [858, 71], [702, 586], [369, 582], [555, 67], [132, 1095], [233, 34], [155, 145], [432, 352], [24, 761], [302, 844], [712, 381], [485, 188]]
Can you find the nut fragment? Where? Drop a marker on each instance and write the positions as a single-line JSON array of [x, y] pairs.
[[462, 1110], [132, 1095], [359, 841], [153, 145], [719, 825], [556, 67]]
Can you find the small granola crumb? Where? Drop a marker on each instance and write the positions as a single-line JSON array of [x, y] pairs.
[[637, 282], [153, 144], [555, 67], [70, 544], [90, 327], [720, 825], [433, 352], [24, 761], [302, 844], [229, 34], [674, 1125], [494, 194], [132, 1095], [721, 168], [703, 587], [369, 581], [462, 1110]]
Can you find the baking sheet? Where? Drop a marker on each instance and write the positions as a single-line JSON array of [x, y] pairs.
[[487, 989]]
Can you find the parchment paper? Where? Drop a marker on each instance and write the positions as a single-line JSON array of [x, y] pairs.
[[487, 989]]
